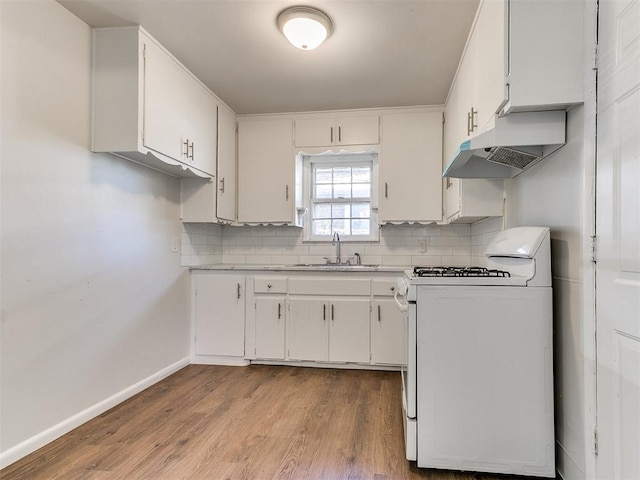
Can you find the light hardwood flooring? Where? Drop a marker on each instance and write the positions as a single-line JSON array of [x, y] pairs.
[[257, 422]]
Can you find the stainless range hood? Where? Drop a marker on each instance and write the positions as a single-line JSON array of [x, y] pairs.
[[517, 142]]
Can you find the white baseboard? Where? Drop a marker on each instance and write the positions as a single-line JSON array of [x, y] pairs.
[[23, 449], [219, 360]]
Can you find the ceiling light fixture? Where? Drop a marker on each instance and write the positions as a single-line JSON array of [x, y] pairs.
[[305, 27]]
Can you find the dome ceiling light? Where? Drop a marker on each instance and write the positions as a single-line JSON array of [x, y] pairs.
[[305, 27]]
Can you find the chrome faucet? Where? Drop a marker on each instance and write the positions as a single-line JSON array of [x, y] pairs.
[[336, 242]]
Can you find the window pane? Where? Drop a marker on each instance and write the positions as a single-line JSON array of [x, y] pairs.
[[322, 210], [343, 227], [342, 175], [362, 174], [361, 190], [323, 191], [323, 175], [360, 227], [341, 210], [322, 227], [342, 190], [360, 210]]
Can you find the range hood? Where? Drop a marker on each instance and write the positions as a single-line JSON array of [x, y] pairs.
[[517, 142]]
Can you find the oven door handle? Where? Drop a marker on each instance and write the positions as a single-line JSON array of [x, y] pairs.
[[402, 306]]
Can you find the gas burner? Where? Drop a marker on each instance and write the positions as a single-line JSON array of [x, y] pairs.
[[458, 272]]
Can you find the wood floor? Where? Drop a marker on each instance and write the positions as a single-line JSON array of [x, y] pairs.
[[254, 423]]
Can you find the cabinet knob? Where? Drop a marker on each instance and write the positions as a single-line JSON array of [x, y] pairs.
[[268, 285], [393, 289]]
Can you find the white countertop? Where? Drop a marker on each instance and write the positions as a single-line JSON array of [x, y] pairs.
[[303, 268]]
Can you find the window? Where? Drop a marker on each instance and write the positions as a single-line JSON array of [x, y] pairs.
[[339, 197]]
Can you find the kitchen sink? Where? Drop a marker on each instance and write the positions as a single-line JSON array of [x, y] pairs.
[[333, 265]]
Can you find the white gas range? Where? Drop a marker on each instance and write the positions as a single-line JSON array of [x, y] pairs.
[[478, 382]]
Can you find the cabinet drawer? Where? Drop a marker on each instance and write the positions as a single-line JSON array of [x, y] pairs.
[[269, 285], [330, 286], [384, 287]]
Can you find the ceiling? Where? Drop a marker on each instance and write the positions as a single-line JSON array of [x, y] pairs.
[[383, 53]]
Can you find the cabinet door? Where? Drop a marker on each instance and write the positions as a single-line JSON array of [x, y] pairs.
[[270, 322], [315, 132], [308, 329], [226, 165], [349, 331], [490, 36], [358, 130], [201, 130], [411, 167], [388, 332], [266, 171], [164, 99], [219, 312]]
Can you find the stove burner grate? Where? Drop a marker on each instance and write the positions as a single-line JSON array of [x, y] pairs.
[[458, 272]]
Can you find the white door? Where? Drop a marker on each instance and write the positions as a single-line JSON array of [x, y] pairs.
[[618, 234], [308, 329], [265, 171], [226, 165], [163, 103], [388, 333], [270, 321], [219, 308], [349, 331]]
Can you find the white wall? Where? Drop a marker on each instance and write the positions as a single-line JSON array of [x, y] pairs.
[[552, 194], [94, 304]]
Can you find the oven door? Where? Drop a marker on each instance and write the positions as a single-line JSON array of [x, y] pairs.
[[409, 373]]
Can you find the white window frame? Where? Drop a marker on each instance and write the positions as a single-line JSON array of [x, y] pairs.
[[336, 160]]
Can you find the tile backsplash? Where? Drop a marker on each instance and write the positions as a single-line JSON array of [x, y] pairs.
[[404, 245]]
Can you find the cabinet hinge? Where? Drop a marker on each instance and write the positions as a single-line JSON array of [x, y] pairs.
[[594, 249], [443, 118], [255, 305], [594, 449], [594, 65]]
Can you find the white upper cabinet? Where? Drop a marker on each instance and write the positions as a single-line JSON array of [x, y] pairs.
[[226, 165], [347, 130], [147, 107], [410, 184], [521, 56], [265, 171]]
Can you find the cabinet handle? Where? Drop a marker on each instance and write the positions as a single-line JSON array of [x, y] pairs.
[[186, 148], [333, 312], [279, 310], [191, 157], [222, 185], [286, 193], [472, 121], [324, 311], [331, 134], [238, 291], [339, 134], [386, 190], [379, 314]]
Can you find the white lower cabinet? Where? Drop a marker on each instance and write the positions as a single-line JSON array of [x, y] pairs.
[[270, 323], [388, 333], [219, 314], [349, 330], [308, 329], [284, 317], [329, 331], [388, 325]]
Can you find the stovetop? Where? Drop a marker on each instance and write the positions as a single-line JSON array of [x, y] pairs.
[[458, 272]]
